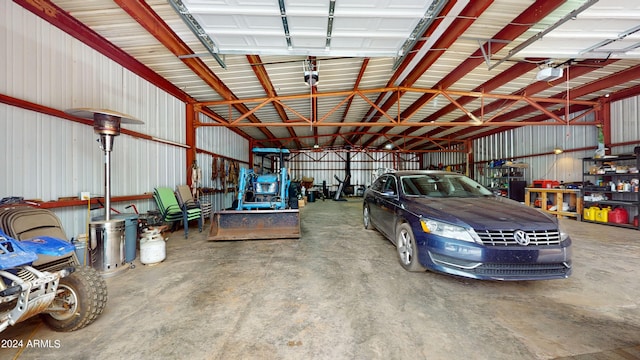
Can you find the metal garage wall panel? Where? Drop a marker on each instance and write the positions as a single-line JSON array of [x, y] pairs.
[[224, 142], [625, 123], [48, 157], [518, 143], [324, 165], [46, 66]]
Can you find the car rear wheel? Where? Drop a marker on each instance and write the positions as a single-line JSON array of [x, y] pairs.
[[407, 248], [366, 218]]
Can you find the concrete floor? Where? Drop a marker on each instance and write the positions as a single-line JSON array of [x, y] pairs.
[[340, 293]]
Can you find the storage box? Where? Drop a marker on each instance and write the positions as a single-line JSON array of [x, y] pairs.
[[545, 184], [602, 215], [590, 213], [618, 216]]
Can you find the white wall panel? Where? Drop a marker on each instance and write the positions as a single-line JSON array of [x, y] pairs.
[[625, 123], [49, 157], [534, 145], [325, 165], [226, 143]]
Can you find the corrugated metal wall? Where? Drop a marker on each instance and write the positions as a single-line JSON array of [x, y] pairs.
[[324, 165], [625, 124], [534, 144], [48, 157], [225, 143]]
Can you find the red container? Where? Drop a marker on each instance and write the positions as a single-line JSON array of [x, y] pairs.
[[545, 184], [619, 216]]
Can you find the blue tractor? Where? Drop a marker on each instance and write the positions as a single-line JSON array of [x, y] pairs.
[[265, 206]]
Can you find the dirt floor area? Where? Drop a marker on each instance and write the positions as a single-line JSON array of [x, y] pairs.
[[339, 293]]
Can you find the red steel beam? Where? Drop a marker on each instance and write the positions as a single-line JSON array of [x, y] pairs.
[[262, 75], [529, 90], [504, 77], [153, 23], [532, 15], [57, 17], [447, 8], [356, 85], [597, 85]]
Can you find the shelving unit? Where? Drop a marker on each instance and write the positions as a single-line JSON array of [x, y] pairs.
[[506, 180], [572, 197], [599, 174]]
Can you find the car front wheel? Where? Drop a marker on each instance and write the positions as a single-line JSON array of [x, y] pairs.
[[407, 248], [366, 218]]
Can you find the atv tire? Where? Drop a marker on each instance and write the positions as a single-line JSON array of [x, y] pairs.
[[83, 294]]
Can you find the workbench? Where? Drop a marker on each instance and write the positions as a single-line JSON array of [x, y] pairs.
[[572, 197]]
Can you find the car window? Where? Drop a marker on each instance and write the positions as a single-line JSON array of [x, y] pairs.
[[390, 185], [379, 184], [442, 185]]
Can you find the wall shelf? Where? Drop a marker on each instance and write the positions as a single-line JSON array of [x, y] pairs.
[[598, 175], [506, 180]]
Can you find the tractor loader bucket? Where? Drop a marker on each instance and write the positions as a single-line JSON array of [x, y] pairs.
[[255, 225]]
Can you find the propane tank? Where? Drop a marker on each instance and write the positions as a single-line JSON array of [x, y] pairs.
[[152, 247]]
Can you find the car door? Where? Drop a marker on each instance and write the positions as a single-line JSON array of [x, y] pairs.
[[373, 199], [388, 202]]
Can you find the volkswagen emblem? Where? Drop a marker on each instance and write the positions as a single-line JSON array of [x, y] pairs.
[[521, 237]]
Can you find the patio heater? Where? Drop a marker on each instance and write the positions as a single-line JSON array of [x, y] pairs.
[[108, 255]]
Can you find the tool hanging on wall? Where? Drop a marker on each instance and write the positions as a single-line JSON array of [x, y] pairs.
[[196, 178], [214, 168]]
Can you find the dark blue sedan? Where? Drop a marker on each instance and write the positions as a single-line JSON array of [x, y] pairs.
[[447, 222]]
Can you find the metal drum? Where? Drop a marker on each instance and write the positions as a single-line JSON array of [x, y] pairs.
[[108, 246], [130, 233]]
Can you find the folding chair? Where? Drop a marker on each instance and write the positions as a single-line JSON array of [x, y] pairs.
[[172, 212], [187, 202]]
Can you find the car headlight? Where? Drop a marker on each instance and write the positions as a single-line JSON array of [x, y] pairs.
[[448, 230], [563, 235]]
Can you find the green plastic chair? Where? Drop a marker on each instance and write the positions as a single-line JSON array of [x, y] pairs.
[[171, 210]]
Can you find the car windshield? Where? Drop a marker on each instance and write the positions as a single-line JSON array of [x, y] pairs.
[[442, 185]]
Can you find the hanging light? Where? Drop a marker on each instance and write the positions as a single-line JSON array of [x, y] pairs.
[[310, 72], [558, 151]]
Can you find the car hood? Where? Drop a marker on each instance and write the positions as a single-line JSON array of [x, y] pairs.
[[481, 213]]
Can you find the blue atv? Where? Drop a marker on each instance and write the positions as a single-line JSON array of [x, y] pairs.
[[41, 274]]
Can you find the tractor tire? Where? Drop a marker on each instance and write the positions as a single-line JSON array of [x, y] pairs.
[[83, 295]]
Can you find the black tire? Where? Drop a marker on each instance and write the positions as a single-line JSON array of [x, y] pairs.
[[83, 294], [407, 248], [366, 217]]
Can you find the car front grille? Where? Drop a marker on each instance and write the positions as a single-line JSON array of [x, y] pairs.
[[507, 238], [517, 270]]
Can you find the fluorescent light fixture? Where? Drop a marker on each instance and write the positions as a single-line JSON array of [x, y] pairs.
[[549, 74]]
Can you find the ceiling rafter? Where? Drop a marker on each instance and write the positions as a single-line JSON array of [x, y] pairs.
[[358, 120], [603, 83], [153, 23], [307, 121], [356, 85], [504, 77], [67, 23], [530, 90], [532, 15], [262, 75], [457, 28]]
